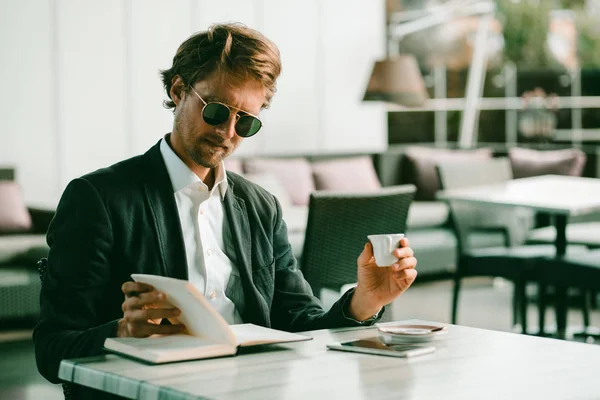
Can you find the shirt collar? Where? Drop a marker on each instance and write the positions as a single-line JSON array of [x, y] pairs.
[[182, 176]]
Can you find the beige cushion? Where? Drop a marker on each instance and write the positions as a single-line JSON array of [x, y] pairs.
[[14, 216], [352, 174], [527, 162], [295, 218], [272, 184], [419, 167], [424, 214], [15, 246], [294, 173]]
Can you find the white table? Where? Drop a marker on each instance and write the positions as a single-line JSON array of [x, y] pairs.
[[468, 363], [561, 196]]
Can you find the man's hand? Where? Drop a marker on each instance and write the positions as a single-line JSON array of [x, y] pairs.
[[143, 309], [378, 286]]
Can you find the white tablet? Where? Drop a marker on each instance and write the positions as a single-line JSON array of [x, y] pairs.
[[376, 346]]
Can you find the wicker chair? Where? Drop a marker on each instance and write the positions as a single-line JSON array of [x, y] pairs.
[[337, 229], [513, 261]]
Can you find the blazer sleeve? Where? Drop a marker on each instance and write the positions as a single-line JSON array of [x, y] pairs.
[[294, 306], [81, 240]]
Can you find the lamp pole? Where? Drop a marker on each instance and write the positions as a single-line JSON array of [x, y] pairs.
[[467, 136]]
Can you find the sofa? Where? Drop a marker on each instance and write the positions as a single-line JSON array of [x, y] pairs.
[[292, 178], [22, 244]]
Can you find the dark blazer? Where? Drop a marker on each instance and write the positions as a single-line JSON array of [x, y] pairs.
[[122, 220]]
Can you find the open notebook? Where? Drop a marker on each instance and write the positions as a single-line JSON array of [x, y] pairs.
[[208, 333]]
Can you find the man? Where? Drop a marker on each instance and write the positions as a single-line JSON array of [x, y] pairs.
[[174, 211]]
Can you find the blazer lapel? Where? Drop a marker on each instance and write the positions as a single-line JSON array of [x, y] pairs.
[[255, 308], [161, 202]]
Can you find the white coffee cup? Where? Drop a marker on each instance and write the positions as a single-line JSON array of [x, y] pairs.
[[384, 246]]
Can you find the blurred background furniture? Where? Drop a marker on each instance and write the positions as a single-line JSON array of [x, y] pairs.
[[581, 271], [473, 214], [22, 244], [337, 229], [292, 178]]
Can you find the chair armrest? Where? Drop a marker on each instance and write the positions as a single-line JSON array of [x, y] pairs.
[[40, 219]]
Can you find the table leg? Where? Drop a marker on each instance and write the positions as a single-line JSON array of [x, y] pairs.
[[560, 222]]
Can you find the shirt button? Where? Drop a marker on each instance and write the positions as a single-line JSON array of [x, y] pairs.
[[209, 252], [213, 295], [201, 212]]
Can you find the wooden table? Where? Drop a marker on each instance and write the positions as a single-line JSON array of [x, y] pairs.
[[469, 363], [560, 196]]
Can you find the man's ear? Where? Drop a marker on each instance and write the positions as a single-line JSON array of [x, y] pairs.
[[177, 89]]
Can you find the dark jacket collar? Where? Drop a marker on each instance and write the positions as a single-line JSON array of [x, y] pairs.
[[161, 200]]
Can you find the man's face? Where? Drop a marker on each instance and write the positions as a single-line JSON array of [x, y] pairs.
[[203, 144]]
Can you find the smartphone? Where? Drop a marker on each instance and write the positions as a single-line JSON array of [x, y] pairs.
[[376, 346]]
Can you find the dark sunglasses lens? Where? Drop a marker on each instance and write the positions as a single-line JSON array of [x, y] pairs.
[[247, 126], [215, 113]]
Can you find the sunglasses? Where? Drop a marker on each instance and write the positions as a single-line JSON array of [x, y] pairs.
[[215, 113]]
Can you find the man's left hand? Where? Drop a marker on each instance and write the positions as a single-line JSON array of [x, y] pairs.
[[378, 286]]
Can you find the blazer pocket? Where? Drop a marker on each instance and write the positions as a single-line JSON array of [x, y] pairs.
[[235, 291], [264, 280]]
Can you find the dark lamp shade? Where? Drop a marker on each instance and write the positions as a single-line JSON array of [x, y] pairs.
[[397, 80]]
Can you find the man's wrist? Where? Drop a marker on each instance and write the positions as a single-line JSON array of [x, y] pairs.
[[361, 306]]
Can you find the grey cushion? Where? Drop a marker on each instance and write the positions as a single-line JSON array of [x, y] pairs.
[[485, 239], [427, 214], [435, 249], [18, 246], [295, 218], [585, 233], [297, 242], [529, 251]]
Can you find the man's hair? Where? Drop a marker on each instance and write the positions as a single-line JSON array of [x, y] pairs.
[[233, 50]]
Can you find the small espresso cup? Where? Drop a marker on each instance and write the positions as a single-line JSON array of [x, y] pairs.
[[384, 246]]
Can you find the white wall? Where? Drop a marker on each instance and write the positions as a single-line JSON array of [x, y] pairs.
[[80, 84]]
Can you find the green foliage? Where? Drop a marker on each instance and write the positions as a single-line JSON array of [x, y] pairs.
[[526, 27], [525, 32], [588, 41]]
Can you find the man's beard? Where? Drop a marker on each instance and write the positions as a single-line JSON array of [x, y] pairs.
[[202, 154]]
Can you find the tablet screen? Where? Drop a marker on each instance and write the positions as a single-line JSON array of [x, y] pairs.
[[375, 346]]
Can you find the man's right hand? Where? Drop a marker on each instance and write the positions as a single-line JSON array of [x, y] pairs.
[[143, 306]]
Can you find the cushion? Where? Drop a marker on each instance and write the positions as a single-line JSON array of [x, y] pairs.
[[586, 233], [426, 214], [527, 162], [233, 165], [294, 173], [419, 167], [14, 216], [271, 184], [295, 218], [352, 174], [296, 240], [18, 247]]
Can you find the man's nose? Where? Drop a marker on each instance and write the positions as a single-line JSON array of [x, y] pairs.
[[227, 128]]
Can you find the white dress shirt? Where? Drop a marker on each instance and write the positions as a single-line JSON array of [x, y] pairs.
[[202, 216]]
